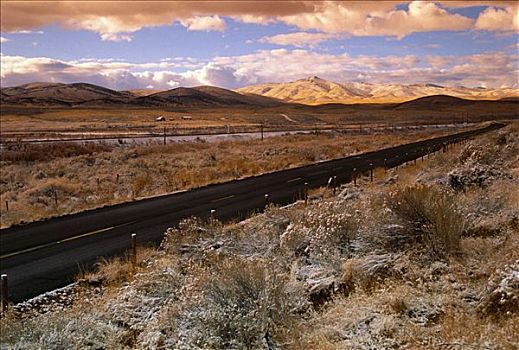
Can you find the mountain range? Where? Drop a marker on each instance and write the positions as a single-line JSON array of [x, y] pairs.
[[82, 94], [314, 90], [309, 91]]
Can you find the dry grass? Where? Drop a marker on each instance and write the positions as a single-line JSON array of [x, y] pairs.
[[90, 180], [253, 284], [431, 218]]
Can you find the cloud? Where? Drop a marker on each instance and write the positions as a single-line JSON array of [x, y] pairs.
[[28, 32], [114, 21], [364, 21], [109, 18], [298, 39], [3, 40], [496, 19], [204, 23], [494, 69]]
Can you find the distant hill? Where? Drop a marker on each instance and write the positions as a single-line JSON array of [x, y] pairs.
[[81, 94], [142, 92], [435, 102], [314, 90], [204, 96], [49, 94], [311, 91]]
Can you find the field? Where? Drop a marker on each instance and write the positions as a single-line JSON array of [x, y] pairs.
[[426, 257], [44, 180], [20, 120]]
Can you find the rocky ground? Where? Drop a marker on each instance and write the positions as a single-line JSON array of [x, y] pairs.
[[426, 257]]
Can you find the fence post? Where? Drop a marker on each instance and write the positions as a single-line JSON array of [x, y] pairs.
[[267, 202], [56, 196], [164, 135], [6, 205], [371, 171], [5, 299], [354, 176], [213, 215], [334, 184], [134, 251], [261, 132], [305, 193]]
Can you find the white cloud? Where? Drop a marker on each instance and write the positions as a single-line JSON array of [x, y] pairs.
[[117, 21], [499, 19], [204, 23], [298, 39], [4, 40], [340, 17], [28, 32], [495, 69]]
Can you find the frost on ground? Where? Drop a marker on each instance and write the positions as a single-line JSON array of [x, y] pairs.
[[415, 260]]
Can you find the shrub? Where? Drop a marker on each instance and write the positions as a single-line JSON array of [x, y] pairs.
[[430, 216], [501, 295], [31, 152], [245, 304]]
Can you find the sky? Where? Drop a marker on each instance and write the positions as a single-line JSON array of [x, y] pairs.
[[162, 45]]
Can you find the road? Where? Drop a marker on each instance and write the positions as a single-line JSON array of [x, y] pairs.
[[45, 255]]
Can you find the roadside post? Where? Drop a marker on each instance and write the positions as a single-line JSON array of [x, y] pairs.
[[371, 171], [4, 293], [213, 215], [334, 184], [56, 196], [354, 176], [134, 251], [305, 193], [6, 205], [267, 201]]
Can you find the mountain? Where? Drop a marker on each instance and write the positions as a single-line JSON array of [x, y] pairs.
[[142, 92], [314, 90], [50, 94], [436, 102], [205, 96], [82, 94]]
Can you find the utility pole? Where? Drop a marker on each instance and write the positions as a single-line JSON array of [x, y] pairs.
[[164, 135]]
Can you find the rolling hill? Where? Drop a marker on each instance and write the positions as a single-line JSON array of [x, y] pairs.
[[81, 94], [314, 90], [50, 94]]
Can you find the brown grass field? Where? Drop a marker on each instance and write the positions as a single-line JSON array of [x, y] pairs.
[[44, 180], [425, 257], [124, 119]]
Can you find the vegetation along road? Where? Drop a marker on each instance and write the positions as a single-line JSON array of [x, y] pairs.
[[44, 255]]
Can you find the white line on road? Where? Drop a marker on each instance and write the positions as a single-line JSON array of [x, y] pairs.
[[61, 241]]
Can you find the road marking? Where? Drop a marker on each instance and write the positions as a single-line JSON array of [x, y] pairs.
[[294, 180], [222, 199], [319, 172], [61, 241], [338, 168]]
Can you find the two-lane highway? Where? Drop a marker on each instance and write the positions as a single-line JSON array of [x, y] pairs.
[[45, 255]]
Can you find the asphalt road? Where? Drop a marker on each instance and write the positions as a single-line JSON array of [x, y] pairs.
[[45, 255]]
